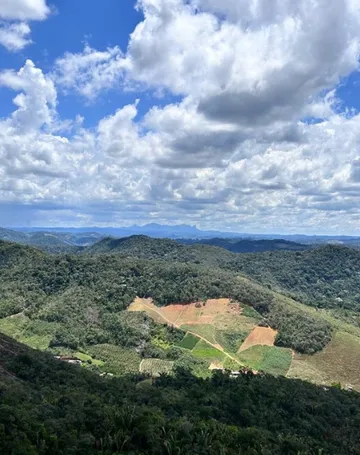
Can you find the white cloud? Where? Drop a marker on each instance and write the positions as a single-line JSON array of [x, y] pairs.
[[14, 30], [24, 10], [91, 71], [234, 152], [14, 36], [37, 101], [265, 65]]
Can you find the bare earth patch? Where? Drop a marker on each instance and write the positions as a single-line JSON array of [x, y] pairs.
[[192, 313], [197, 318], [264, 336]]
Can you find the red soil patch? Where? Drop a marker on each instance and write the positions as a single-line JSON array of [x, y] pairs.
[[191, 313], [260, 335]]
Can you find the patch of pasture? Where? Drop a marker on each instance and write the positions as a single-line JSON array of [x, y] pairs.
[[188, 342], [338, 362], [116, 360], [270, 359], [208, 353]]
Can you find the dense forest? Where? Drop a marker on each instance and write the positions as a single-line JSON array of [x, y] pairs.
[[325, 277], [48, 407], [249, 245]]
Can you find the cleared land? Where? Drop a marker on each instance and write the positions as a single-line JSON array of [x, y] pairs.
[[338, 362], [264, 336], [206, 352], [207, 321], [192, 313], [269, 359], [188, 342], [229, 335]]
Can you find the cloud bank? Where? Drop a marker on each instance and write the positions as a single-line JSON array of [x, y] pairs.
[[240, 150]]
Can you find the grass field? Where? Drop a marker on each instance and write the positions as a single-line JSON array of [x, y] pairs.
[[338, 362], [206, 352], [269, 359], [156, 367], [188, 342], [36, 334], [204, 330]]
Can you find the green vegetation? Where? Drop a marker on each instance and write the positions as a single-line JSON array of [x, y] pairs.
[[86, 295], [269, 359], [47, 406], [206, 352], [74, 302], [206, 331], [188, 342], [325, 277], [249, 245], [156, 367], [338, 362], [114, 359], [250, 312], [231, 341]]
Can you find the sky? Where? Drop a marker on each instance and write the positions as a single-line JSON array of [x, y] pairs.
[[239, 115]]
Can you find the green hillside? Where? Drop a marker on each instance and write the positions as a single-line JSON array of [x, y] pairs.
[[76, 303], [249, 245], [324, 277]]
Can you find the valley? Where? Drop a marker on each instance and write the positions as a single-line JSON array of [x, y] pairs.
[[113, 306], [148, 331]]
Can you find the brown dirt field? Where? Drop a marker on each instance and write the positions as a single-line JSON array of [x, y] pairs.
[[260, 335], [178, 315], [186, 314]]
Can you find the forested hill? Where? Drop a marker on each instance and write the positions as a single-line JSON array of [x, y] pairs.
[[326, 276], [77, 299], [48, 407], [249, 245]]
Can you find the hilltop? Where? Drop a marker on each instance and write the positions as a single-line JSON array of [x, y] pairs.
[[250, 245]]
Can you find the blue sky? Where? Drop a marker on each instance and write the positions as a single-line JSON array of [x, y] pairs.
[[210, 112], [73, 24]]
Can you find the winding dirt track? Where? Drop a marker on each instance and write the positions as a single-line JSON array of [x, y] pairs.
[[216, 346]]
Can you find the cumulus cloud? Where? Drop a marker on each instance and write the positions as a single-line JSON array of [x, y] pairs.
[[253, 63], [37, 99], [239, 151], [14, 15], [14, 36], [90, 72], [24, 10]]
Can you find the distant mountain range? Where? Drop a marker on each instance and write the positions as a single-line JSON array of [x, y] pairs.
[[51, 241], [87, 235]]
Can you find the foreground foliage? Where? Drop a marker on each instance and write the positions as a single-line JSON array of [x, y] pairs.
[[48, 407]]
